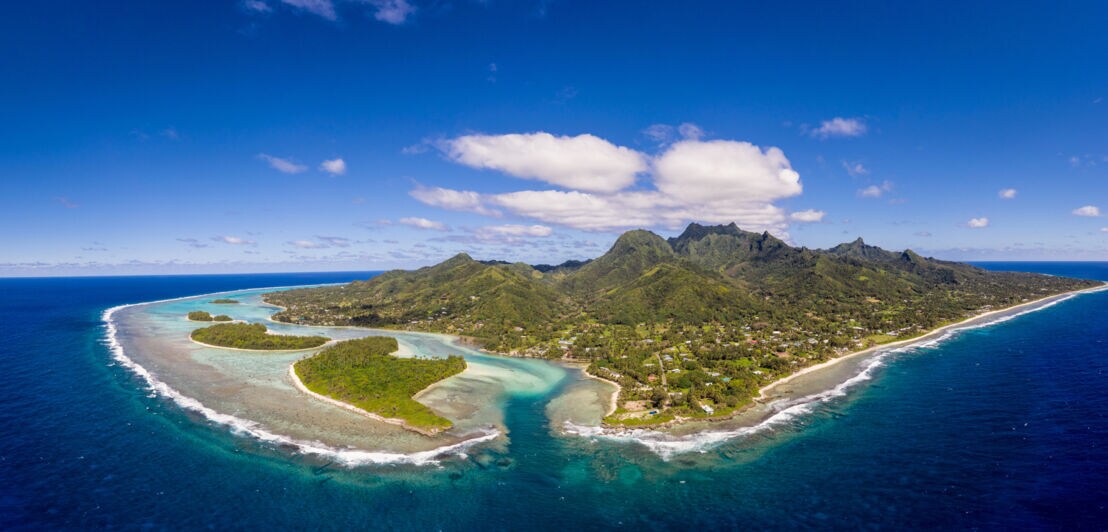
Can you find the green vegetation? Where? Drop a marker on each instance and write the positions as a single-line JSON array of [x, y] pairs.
[[253, 336], [363, 373], [224, 302], [200, 315], [691, 326]]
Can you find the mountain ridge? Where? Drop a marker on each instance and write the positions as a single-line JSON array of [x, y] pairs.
[[717, 310]]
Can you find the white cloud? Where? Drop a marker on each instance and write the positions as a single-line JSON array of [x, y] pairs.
[[511, 233], [665, 133], [807, 216], [335, 241], [875, 191], [323, 8], [517, 230], [233, 240], [306, 244], [1088, 210], [335, 166], [660, 133], [1008, 193], [454, 200], [724, 171], [855, 169], [717, 181], [423, 223], [978, 223], [257, 5], [584, 162], [1104, 229], [840, 127], [392, 11], [282, 165], [690, 131]]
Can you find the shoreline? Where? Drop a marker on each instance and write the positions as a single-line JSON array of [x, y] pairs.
[[613, 401], [321, 346], [764, 393], [345, 455], [296, 382]]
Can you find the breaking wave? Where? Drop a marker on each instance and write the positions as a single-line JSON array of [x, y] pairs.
[[245, 427], [667, 445]]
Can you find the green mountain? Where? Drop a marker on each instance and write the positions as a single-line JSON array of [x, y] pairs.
[[692, 325]]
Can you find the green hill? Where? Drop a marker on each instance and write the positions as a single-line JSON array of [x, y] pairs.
[[692, 325]]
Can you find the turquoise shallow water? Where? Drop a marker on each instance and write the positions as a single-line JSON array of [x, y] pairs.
[[998, 427]]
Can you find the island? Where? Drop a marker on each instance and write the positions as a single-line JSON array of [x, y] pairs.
[[253, 336], [364, 374], [200, 315], [224, 302], [690, 327]]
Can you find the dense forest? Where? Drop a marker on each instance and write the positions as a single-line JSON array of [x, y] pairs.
[[364, 373], [253, 336], [200, 315], [689, 326], [224, 302]]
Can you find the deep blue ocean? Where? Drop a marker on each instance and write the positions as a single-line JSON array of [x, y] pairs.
[[1002, 427]]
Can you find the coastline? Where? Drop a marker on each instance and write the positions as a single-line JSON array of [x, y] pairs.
[[347, 456], [613, 401], [321, 346], [766, 392], [296, 382]]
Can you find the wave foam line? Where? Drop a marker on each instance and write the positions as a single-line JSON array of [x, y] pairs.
[[246, 427], [666, 445]]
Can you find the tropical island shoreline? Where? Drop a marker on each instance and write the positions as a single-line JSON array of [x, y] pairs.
[[765, 393], [299, 385]]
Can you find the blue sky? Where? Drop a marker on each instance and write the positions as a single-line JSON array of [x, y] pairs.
[[269, 135]]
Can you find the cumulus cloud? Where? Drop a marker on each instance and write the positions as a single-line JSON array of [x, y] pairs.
[[335, 166], [724, 171], [840, 127], [233, 240], [583, 162], [306, 244], [423, 223], [978, 223], [282, 165], [808, 216], [1088, 210], [454, 200], [718, 181], [1007, 193]]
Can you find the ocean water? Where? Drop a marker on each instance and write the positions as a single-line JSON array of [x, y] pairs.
[[995, 428]]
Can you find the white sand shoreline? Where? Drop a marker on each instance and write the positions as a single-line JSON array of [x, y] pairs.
[[295, 379], [763, 391]]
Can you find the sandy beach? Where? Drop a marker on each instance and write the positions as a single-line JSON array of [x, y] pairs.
[[770, 391], [295, 379]]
